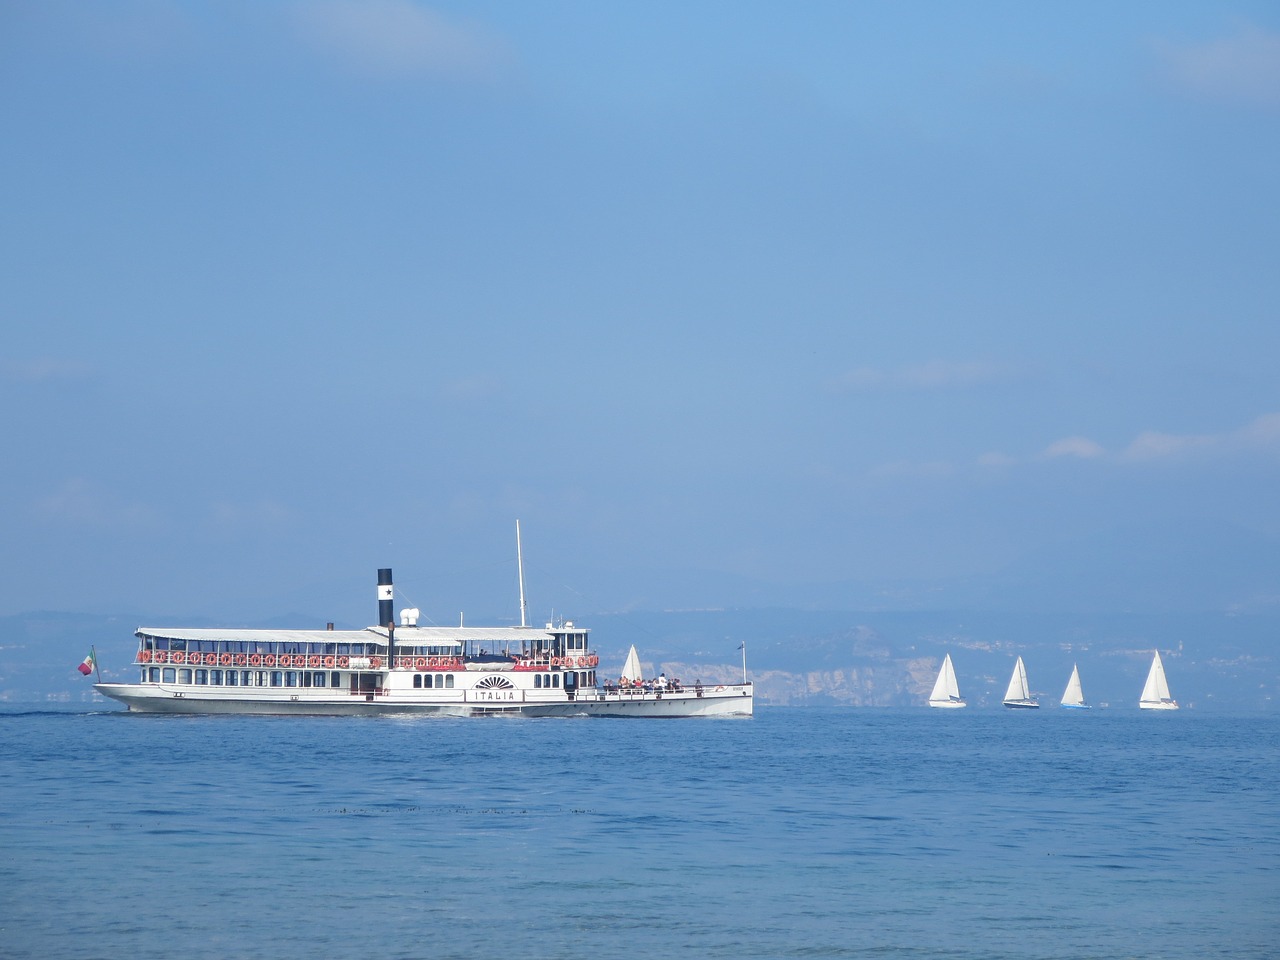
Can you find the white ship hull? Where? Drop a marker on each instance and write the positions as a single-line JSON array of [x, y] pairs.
[[443, 671], [731, 700]]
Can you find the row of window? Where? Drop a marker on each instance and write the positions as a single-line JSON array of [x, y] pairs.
[[573, 678], [429, 650], [444, 680], [255, 646], [241, 678], [320, 678], [575, 641]]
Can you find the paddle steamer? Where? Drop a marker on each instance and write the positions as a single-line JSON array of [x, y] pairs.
[[406, 668]]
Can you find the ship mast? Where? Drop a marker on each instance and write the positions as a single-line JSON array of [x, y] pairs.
[[524, 607]]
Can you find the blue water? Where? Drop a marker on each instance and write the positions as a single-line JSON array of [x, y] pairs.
[[802, 833]]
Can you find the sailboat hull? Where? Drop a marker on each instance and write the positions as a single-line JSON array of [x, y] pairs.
[[1158, 705], [1022, 705], [1076, 706], [947, 704]]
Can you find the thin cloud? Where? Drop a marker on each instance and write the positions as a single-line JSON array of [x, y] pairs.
[[913, 470], [1240, 68], [395, 38], [934, 375], [226, 516], [996, 459], [1261, 434], [1153, 445], [77, 503], [1080, 447], [43, 370]]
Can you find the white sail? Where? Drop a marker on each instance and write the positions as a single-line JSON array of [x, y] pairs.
[[631, 669], [946, 691], [1073, 696], [1155, 694], [1019, 694]]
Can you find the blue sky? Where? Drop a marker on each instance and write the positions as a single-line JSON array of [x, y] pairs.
[[732, 304]]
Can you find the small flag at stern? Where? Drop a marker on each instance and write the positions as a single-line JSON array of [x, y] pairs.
[[90, 662]]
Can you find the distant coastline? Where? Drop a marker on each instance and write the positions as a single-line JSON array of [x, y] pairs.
[[811, 658]]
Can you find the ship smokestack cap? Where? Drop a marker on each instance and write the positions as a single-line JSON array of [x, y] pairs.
[[386, 599]]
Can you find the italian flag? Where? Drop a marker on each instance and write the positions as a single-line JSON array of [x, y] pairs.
[[90, 663]]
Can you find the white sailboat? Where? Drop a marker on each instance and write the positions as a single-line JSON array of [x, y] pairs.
[[1073, 696], [631, 669], [1155, 695], [946, 692], [1018, 694]]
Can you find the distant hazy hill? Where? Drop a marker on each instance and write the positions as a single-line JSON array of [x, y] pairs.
[[891, 659], [801, 657]]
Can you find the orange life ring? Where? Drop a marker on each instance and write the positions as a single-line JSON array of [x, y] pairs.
[[269, 660], [144, 656], [582, 661], [343, 662], [211, 659], [225, 659], [375, 663], [421, 663], [255, 659], [160, 656], [285, 660], [328, 661], [315, 660], [593, 661], [178, 657], [240, 660]]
